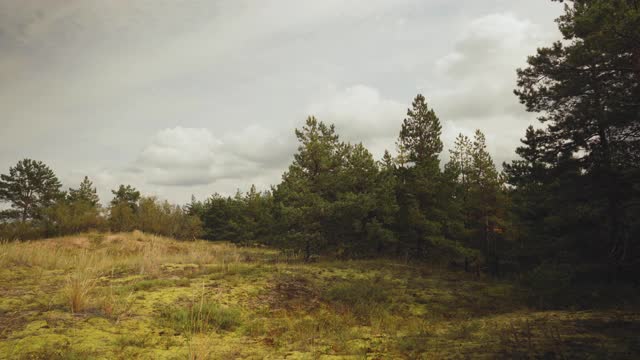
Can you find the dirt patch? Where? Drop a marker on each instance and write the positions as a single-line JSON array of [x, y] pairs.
[[292, 292]]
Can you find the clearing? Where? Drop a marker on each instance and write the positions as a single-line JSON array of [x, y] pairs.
[[133, 295]]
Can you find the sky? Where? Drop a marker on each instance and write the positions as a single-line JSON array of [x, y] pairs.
[[181, 98]]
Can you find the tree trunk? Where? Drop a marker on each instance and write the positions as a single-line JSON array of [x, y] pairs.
[[486, 235], [307, 251], [613, 203]]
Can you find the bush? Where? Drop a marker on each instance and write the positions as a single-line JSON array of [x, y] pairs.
[[72, 217], [20, 231], [550, 284]]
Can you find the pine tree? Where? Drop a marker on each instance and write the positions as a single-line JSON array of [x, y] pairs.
[[587, 88], [420, 133], [86, 192], [485, 194], [457, 178], [460, 161], [422, 204], [30, 187], [309, 187], [126, 195]]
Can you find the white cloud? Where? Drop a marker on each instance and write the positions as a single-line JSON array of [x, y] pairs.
[[181, 147], [476, 79], [189, 156], [491, 44], [362, 114], [480, 71]]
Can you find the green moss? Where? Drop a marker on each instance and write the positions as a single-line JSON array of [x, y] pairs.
[[146, 285], [255, 307]]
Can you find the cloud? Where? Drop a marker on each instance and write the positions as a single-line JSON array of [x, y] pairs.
[[362, 114], [480, 71], [83, 81], [490, 44], [472, 87], [181, 147], [194, 156], [476, 79]]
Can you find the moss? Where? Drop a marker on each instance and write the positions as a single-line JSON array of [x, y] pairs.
[[146, 285], [260, 308]]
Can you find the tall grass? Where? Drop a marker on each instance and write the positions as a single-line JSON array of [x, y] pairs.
[[85, 258], [136, 252], [201, 316], [367, 299], [78, 290], [81, 281]]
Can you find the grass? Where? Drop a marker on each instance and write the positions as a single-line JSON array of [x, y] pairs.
[[77, 291], [364, 298], [137, 296], [200, 317]]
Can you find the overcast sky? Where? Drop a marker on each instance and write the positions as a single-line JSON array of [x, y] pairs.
[[196, 97]]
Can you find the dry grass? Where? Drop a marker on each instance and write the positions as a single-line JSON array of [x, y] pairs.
[[142, 253], [87, 258], [141, 296]]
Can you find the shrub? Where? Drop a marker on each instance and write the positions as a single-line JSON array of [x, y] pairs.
[[549, 284]]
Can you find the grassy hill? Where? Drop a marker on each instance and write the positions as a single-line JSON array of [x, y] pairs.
[[132, 295]]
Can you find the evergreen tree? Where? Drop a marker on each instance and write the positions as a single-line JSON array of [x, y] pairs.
[[485, 195], [30, 187], [86, 192], [121, 217], [126, 195], [420, 133], [309, 186], [587, 88], [421, 214], [460, 162], [457, 177]]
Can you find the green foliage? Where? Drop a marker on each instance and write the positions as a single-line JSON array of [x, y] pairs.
[[550, 284], [574, 184], [126, 195], [420, 133], [242, 219], [150, 215], [73, 216], [334, 197], [121, 217], [17, 230], [85, 193], [30, 187]]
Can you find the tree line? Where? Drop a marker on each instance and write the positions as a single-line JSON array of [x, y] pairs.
[[568, 205], [336, 198], [39, 208]]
